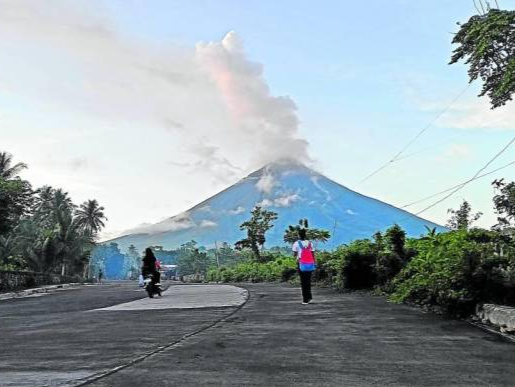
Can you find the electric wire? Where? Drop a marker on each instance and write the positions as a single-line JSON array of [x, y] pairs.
[[416, 137], [456, 186], [470, 180]]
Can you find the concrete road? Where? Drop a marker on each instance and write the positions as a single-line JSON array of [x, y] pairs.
[[273, 340], [62, 337]]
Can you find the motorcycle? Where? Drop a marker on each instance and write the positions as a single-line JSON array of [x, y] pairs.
[[151, 287]]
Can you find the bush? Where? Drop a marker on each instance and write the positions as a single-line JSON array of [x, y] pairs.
[[282, 268], [442, 273], [358, 261]]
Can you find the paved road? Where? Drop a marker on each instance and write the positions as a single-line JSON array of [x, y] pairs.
[[59, 338], [273, 340]]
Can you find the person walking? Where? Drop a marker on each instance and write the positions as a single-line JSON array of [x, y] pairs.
[[304, 252], [100, 276]]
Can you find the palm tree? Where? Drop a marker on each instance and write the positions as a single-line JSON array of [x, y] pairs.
[[313, 234], [70, 243], [7, 248], [37, 246], [7, 170], [90, 217]]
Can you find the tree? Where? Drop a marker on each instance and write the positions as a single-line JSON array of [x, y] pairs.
[[487, 44], [256, 227], [391, 254], [226, 255], [504, 203], [90, 217], [16, 198], [132, 261], [291, 235], [43, 230], [9, 259], [192, 260], [15, 193], [71, 243], [7, 170], [462, 218], [395, 238]]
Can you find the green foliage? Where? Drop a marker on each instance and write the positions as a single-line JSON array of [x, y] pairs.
[[504, 203], [487, 44], [192, 260], [462, 218], [256, 228], [15, 202], [357, 264], [291, 235], [281, 268], [90, 217], [43, 230], [456, 270]]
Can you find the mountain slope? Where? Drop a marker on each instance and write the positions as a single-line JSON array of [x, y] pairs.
[[294, 192]]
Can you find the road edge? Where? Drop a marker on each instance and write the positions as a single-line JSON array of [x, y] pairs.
[[43, 289]]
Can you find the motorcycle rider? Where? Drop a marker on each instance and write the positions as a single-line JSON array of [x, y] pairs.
[[149, 266]]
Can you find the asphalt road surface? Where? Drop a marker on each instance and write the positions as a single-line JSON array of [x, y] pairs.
[[204, 335]]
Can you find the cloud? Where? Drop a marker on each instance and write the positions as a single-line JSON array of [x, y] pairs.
[[283, 201], [176, 223], [208, 223], [266, 182], [237, 210], [477, 114], [211, 98], [265, 203], [286, 201]]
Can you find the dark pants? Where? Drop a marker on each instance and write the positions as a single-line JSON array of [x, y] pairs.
[[305, 283]]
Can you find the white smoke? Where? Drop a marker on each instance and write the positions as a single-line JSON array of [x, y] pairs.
[[266, 183], [269, 122], [211, 99]]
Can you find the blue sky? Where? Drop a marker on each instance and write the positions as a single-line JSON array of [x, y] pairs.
[[365, 79]]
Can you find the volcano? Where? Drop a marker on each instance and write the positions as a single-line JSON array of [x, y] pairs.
[[292, 190]]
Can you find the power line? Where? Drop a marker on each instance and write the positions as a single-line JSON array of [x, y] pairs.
[[428, 148], [422, 131], [470, 180], [456, 186]]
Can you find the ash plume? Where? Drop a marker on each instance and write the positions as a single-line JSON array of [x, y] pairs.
[[211, 94]]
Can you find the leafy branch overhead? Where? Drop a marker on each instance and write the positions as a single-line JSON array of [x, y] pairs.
[[487, 44]]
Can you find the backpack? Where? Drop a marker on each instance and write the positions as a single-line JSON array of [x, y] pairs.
[[306, 258]]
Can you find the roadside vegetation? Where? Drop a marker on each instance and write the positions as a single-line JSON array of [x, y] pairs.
[[42, 230], [451, 271]]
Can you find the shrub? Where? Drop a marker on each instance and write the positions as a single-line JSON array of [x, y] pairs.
[[282, 268], [440, 274]]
